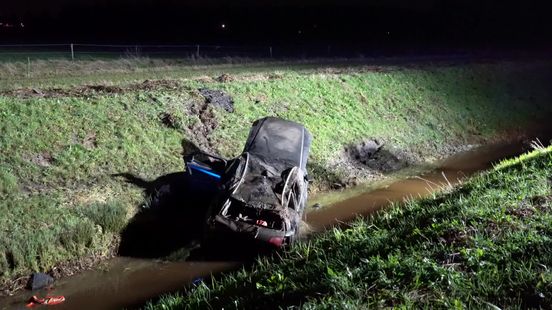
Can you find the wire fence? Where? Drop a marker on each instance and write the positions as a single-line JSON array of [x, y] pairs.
[[77, 51], [71, 51]]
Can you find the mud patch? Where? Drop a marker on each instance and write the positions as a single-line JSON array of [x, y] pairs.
[[43, 159], [369, 160], [375, 155], [373, 158], [93, 90], [359, 69], [218, 98], [104, 89], [202, 128]]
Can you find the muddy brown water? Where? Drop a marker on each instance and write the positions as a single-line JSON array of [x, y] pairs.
[[129, 282], [122, 282]]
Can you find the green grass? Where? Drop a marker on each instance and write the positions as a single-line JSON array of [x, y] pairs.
[[487, 243], [61, 72], [57, 154]]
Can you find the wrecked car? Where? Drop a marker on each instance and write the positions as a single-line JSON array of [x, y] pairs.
[[262, 193]]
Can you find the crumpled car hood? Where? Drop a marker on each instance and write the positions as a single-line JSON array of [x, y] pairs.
[[259, 186]]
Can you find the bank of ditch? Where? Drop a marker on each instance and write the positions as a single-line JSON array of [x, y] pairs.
[[60, 148]]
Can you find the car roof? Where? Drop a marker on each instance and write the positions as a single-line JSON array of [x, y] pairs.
[[276, 139]]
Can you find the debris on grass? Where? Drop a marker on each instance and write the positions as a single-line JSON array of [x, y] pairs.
[[46, 301], [218, 98]]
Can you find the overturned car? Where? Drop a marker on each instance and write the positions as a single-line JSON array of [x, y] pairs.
[[263, 192]]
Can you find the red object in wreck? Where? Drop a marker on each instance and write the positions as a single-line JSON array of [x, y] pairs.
[[262, 223], [276, 241], [48, 301]]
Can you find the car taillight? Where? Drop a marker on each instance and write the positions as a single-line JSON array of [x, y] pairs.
[[276, 241]]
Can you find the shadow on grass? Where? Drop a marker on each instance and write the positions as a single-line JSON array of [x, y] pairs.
[[171, 221], [171, 217]]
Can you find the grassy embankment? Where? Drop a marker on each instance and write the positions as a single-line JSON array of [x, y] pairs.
[[59, 203], [56, 72], [485, 244]]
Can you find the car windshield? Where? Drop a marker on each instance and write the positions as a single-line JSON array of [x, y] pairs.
[[279, 140]]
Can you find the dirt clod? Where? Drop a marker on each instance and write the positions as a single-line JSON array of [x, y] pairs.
[[218, 98], [105, 89], [43, 159], [206, 123], [365, 150], [168, 120], [224, 78], [374, 155]]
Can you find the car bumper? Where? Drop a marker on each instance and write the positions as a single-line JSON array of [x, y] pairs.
[[274, 237]]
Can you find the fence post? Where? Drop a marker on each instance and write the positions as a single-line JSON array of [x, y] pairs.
[[136, 51], [72, 52], [28, 67], [197, 50], [270, 50]]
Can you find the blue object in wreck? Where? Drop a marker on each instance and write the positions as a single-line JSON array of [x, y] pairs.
[[197, 168]]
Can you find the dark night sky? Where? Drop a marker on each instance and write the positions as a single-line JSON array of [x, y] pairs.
[[376, 22]]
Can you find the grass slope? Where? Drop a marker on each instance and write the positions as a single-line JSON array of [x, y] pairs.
[[58, 201], [48, 73], [488, 242]]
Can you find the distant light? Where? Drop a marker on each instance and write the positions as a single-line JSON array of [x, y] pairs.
[[388, 32], [223, 26], [22, 25], [299, 31]]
